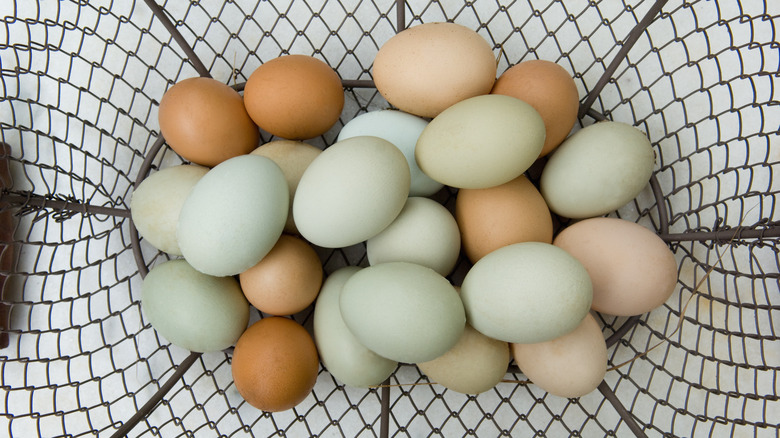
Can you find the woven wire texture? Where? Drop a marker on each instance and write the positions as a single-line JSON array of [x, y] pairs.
[[81, 84]]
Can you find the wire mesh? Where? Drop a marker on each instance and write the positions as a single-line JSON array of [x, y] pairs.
[[81, 85]]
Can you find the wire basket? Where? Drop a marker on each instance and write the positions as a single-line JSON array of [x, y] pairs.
[[81, 84]]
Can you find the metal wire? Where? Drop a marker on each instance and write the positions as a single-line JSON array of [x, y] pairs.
[[81, 85]]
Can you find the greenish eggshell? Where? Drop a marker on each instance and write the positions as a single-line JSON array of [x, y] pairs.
[[402, 130], [597, 170], [234, 215], [526, 292], [403, 311], [481, 142], [351, 191], [192, 310], [340, 352], [156, 203]]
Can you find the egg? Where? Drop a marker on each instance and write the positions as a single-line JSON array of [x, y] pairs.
[[632, 269], [293, 157], [402, 311], [572, 365], [286, 280], [550, 89], [349, 361], [474, 365], [427, 68], [402, 130], [156, 203], [205, 121], [233, 216], [526, 292], [295, 97], [352, 191], [424, 232], [275, 364], [481, 142], [193, 310], [597, 170], [490, 218]]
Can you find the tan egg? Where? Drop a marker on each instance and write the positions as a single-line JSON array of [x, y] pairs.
[[474, 365], [572, 365], [205, 121], [498, 216], [275, 364], [550, 89], [429, 67], [633, 271], [286, 280], [294, 97], [293, 157]]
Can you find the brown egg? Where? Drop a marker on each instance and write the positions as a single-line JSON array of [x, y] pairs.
[[275, 364], [550, 89], [294, 97], [490, 218], [205, 121], [286, 280]]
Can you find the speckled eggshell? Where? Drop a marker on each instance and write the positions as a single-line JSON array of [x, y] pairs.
[[427, 68], [341, 353], [569, 366], [526, 292], [402, 311], [474, 365], [597, 170], [481, 142], [352, 191], [193, 310], [402, 130], [633, 271], [156, 203], [293, 157], [234, 215], [425, 233]]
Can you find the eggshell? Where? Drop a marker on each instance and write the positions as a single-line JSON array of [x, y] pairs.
[[597, 170], [340, 352], [351, 191], [293, 157], [424, 233], [275, 364], [632, 269], [428, 67], [192, 310], [286, 280], [402, 130], [526, 292], [481, 142], [157, 201], [402, 311], [474, 365], [570, 366], [234, 215], [294, 97], [550, 89], [205, 121], [490, 218]]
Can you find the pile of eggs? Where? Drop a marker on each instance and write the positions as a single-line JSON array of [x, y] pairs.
[[241, 220]]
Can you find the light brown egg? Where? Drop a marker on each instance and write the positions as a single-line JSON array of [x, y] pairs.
[[633, 271], [295, 97], [550, 89], [490, 218], [286, 280], [205, 121], [275, 364]]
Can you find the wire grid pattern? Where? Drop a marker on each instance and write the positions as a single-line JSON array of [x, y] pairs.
[[81, 86]]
